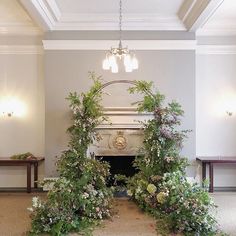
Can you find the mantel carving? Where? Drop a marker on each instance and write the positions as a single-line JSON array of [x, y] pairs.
[[121, 142], [122, 135]]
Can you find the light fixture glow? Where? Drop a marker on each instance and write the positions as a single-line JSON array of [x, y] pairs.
[[130, 62], [225, 103], [12, 107]]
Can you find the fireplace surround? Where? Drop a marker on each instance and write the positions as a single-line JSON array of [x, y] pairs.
[[121, 139]]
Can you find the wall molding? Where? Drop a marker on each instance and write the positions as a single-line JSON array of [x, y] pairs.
[[21, 49], [216, 49], [9, 28], [132, 44]]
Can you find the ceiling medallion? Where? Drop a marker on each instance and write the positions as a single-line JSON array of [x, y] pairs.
[[120, 53]]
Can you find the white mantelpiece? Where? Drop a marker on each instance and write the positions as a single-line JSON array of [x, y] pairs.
[[122, 135], [124, 117]]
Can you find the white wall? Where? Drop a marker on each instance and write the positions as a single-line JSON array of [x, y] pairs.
[[216, 93], [172, 71], [21, 77]]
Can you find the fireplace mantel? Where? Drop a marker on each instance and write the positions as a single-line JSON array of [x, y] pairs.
[[124, 118], [122, 135]]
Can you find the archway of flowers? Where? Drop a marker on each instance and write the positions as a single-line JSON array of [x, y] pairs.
[[80, 198]]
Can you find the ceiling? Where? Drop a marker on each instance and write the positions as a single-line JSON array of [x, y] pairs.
[[201, 16], [111, 7]]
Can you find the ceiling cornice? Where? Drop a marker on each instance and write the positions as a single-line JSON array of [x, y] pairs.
[[49, 17], [107, 22], [216, 49], [42, 12], [106, 44], [216, 32], [195, 13]]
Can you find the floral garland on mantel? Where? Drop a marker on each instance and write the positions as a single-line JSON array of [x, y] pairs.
[[80, 199]]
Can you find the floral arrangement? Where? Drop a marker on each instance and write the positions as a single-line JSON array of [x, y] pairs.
[[160, 187], [23, 156], [79, 198]]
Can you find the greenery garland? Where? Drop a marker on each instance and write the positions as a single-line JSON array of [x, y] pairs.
[[79, 198]]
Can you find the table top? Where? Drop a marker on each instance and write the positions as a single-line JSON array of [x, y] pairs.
[[217, 159], [8, 159]]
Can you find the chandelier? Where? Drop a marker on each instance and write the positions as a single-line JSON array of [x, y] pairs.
[[122, 54]]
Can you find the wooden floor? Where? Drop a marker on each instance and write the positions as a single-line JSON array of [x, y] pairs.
[[129, 220]]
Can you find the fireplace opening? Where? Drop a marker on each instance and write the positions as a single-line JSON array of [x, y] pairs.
[[119, 165]]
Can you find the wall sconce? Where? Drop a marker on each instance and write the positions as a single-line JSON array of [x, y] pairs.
[[12, 106], [9, 113], [227, 103], [229, 113]]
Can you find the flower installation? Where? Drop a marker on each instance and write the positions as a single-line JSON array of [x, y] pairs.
[[160, 187], [80, 198]]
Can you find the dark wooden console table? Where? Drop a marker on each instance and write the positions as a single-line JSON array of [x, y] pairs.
[[28, 163], [211, 161]]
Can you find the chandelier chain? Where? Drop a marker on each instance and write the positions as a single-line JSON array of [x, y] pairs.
[[120, 20], [120, 53]]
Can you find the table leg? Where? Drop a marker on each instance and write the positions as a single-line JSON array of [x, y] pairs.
[[203, 171], [36, 174], [28, 178], [211, 175]]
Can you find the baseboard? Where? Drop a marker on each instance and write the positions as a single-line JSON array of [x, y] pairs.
[[20, 190], [225, 189]]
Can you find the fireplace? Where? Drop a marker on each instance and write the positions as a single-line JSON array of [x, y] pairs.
[[121, 139], [119, 165], [119, 147]]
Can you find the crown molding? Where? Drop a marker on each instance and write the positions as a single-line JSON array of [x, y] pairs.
[[216, 49], [21, 49], [216, 32], [109, 22], [195, 13], [53, 8], [49, 16], [42, 12], [9, 28], [106, 44]]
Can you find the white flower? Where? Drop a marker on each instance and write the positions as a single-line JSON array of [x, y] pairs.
[[85, 195], [30, 209], [35, 202], [138, 190], [129, 192], [169, 159]]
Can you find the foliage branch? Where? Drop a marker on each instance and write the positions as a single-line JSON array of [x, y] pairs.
[[79, 198], [161, 187]]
